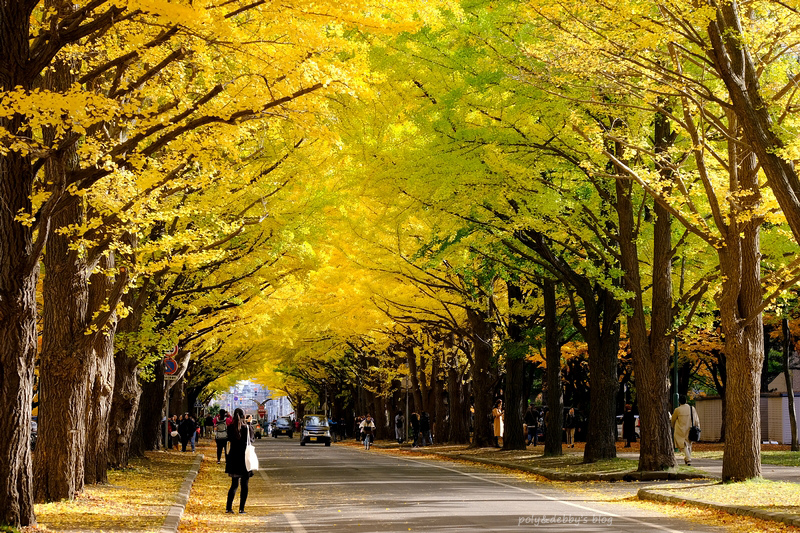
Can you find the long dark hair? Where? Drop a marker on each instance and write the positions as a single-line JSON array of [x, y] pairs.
[[238, 421]]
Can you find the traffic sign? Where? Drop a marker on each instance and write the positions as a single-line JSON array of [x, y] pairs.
[[170, 377], [170, 366], [262, 412], [172, 353]]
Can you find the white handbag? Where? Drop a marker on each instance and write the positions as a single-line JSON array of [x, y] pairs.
[[250, 457]]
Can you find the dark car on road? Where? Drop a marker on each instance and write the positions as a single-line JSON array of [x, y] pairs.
[[283, 426], [316, 430]]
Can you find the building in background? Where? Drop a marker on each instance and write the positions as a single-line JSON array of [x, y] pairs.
[[250, 396]]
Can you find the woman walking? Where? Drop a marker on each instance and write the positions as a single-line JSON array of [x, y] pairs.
[[239, 435], [497, 414], [569, 427]]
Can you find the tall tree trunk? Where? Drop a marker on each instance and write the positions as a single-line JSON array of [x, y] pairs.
[[739, 304], [555, 398], [651, 352], [787, 373], [19, 273], [101, 388], [513, 436], [482, 334], [124, 409], [151, 410], [412, 373], [603, 345], [459, 413], [67, 359]]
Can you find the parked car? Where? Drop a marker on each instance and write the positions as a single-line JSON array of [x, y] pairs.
[[315, 429], [619, 428], [283, 426]]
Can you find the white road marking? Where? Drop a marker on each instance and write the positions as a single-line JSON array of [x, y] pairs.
[[297, 527], [545, 496], [382, 482]]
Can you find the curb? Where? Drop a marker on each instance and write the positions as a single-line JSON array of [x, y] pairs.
[[785, 518], [176, 510], [555, 475]]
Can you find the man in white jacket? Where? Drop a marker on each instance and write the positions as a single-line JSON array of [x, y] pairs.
[[684, 417]]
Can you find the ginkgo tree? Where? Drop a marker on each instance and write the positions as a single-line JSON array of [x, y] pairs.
[[107, 113]]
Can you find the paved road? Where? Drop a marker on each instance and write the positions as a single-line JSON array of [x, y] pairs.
[[342, 488]]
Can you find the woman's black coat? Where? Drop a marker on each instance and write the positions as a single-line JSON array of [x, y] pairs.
[[234, 462]]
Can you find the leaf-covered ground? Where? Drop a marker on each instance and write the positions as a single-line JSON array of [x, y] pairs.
[[778, 496], [205, 512], [136, 499]]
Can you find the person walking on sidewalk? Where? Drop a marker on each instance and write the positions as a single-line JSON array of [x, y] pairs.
[[367, 427], [683, 418], [569, 427], [399, 426], [414, 421], [497, 414], [239, 434], [628, 426], [220, 433], [531, 420]]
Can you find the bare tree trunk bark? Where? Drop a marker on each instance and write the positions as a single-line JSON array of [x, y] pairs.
[[787, 373], [101, 388], [739, 302], [124, 409], [412, 373], [459, 413], [650, 352], [603, 344], [67, 361], [513, 436], [482, 334], [555, 398]]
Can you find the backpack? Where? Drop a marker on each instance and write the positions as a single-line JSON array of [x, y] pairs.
[[221, 430]]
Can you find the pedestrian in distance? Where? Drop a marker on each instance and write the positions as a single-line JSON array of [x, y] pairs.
[[497, 415], [195, 433], [399, 425], [332, 428], [569, 427], [531, 420], [683, 418], [414, 421], [174, 434], [342, 430], [628, 426], [208, 426], [186, 429], [240, 434], [425, 429], [367, 427], [220, 434]]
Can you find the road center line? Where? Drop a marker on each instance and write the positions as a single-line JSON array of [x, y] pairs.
[[297, 527], [545, 496]]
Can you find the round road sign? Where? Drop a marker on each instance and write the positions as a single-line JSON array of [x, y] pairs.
[[170, 366]]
